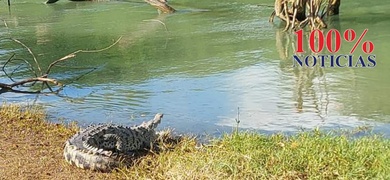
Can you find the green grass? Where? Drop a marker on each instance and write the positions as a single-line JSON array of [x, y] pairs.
[[31, 144], [248, 155]]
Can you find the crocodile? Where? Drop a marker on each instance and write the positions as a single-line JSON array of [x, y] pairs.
[[104, 147]]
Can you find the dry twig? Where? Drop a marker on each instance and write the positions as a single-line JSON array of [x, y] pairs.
[[43, 78]]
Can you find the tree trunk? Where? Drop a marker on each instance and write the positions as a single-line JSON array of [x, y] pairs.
[[301, 10], [334, 7]]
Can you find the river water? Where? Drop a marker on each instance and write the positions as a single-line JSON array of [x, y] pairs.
[[200, 66]]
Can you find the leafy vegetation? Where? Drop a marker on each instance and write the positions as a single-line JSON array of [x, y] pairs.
[[32, 148]]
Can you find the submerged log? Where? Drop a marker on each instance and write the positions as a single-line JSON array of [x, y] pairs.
[[161, 5], [51, 1]]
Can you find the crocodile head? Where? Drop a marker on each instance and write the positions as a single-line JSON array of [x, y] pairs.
[[157, 119]]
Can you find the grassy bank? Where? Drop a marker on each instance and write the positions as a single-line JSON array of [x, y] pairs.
[[31, 148]]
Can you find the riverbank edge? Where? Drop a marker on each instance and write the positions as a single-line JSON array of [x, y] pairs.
[[32, 147]]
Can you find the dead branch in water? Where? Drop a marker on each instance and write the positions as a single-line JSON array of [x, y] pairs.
[[39, 75], [161, 5], [300, 13]]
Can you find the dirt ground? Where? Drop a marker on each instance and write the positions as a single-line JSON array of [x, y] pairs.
[[31, 148]]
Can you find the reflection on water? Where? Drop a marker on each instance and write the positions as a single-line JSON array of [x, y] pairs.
[[197, 66]]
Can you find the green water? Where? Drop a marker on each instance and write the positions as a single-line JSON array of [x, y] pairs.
[[197, 66]]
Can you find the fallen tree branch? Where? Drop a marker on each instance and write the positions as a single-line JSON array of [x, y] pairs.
[[73, 54], [43, 78], [31, 53], [13, 59], [161, 5], [25, 81]]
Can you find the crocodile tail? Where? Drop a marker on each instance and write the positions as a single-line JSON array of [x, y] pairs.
[[86, 160]]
